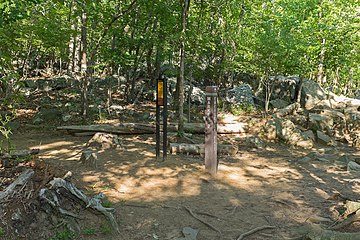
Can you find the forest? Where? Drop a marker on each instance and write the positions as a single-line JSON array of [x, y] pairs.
[[206, 42], [77, 119]]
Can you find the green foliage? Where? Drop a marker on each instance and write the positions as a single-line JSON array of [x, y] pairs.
[[2, 232], [223, 38], [105, 228], [106, 204], [65, 234], [242, 108], [89, 231], [5, 131]]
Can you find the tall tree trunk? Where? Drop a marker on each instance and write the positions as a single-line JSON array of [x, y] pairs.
[[84, 68], [181, 79], [320, 73]]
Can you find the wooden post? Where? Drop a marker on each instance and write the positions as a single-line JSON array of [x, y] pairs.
[[211, 162], [165, 119]]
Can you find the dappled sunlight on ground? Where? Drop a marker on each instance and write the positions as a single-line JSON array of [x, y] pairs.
[[256, 187]]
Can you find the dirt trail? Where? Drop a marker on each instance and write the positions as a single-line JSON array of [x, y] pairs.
[[257, 187]]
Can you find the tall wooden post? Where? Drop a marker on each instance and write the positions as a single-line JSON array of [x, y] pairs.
[[211, 162]]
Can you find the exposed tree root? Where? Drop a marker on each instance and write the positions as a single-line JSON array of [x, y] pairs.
[[201, 220], [94, 203], [252, 231]]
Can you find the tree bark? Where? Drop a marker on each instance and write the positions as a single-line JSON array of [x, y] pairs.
[[84, 69], [181, 79]]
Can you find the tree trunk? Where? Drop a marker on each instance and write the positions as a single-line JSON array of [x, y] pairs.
[[84, 69], [320, 74], [181, 79]]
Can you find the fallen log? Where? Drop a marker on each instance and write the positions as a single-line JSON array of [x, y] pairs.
[[142, 128], [20, 181], [19, 153], [123, 128], [223, 149]]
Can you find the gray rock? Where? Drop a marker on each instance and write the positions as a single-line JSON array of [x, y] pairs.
[[279, 103], [255, 142], [189, 233], [310, 134], [287, 131], [46, 115], [284, 87], [197, 95], [270, 129], [240, 94], [353, 166], [325, 139], [312, 94], [320, 122]]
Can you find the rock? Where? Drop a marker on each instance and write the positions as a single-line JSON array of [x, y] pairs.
[[284, 87], [320, 122], [270, 129], [189, 233], [279, 103], [240, 94], [312, 94], [305, 159], [255, 142], [322, 138], [197, 95], [353, 166], [47, 115], [287, 131], [310, 134]]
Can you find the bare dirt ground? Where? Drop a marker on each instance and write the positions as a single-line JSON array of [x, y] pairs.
[[273, 185], [268, 186]]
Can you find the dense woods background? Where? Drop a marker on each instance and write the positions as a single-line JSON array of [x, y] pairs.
[[217, 42]]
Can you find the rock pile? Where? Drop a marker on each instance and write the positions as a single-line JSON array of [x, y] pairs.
[[321, 117]]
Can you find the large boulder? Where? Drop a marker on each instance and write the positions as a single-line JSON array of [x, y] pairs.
[[289, 133], [197, 94], [284, 87], [312, 94], [240, 95]]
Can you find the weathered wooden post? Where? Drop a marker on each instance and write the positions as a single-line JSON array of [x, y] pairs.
[[211, 162]]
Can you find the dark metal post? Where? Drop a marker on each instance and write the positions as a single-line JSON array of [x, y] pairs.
[[211, 162], [165, 120], [157, 120]]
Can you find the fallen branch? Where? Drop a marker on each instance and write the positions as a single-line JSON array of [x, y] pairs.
[[203, 221], [252, 231], [20, 181], [20, 153]]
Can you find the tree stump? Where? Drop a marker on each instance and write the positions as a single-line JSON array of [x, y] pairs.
[[89, 158]]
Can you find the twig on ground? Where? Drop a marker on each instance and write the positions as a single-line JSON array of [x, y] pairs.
[[349, 220], [252, 231], [207, 214], [234, 210], [199, 219]]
